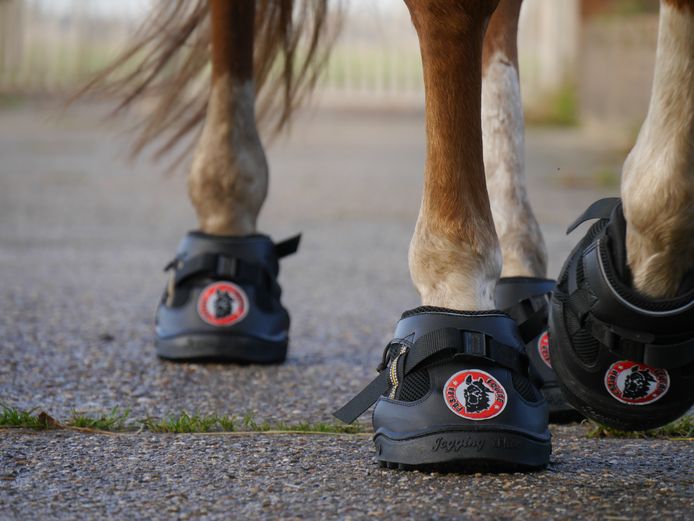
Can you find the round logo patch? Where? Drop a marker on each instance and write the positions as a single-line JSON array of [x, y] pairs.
[[474, 394], [636, 384], [543, 349], [222, 304]]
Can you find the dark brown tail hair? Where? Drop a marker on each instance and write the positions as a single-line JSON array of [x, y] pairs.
[[168, 64]]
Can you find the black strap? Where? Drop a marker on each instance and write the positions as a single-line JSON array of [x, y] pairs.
[[365, 399], [287, 246], [600, 209], [456, 342], [220, 266], [531, 316], [465, 343], [227, 267], [639, 346]]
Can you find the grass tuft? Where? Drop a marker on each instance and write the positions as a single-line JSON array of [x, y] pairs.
[[114, 421], [679, 429], [190, 423], [18, 419]]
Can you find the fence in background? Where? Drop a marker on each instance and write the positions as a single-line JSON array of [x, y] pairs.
[[49, 46]]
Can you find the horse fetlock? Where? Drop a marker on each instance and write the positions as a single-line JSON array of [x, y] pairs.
[[228, 180], [454, 274], [657, 189], [659, 257]]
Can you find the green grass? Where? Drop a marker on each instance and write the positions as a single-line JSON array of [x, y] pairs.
[[18, 419], [560, 109], [114, 420], [679, 429], [118, 420], [190, 423]]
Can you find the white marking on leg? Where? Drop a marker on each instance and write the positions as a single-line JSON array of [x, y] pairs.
[[450, 272], [522, 246], [658, 175], [228, 180]]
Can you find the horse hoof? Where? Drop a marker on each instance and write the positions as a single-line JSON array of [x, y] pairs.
[[622, 359], [453, 394], [222, 302]]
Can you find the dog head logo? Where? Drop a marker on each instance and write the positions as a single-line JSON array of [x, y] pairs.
[[222, 304], [474, 394], [636, 384]]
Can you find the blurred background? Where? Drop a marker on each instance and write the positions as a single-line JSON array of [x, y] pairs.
[[84, 233], [583, 62]]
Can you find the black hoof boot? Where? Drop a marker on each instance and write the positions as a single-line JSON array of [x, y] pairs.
[[526, 299], [222, 302], [623, 359], [453, 394]]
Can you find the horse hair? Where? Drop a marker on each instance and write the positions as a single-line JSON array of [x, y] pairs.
[[168, 65]]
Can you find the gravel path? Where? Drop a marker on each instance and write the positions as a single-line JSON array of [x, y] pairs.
[[318, 477], [83, 238]]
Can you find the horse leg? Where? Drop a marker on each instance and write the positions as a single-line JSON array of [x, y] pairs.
[[658, 175], [621, 339], [228, 180], [455, 259], [223, 299], [455, 262], [522, 245]]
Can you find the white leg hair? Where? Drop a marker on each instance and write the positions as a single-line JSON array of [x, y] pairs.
[[228, 180], [658, 175], [522, 245]]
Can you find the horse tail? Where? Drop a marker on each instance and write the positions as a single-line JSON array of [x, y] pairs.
[[167, 66]]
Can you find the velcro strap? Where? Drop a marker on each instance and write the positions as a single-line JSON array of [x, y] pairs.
[[531, 316], [220, 266], [465, 343], [640, 347], [601, 209], [287, 246], [457, 343]]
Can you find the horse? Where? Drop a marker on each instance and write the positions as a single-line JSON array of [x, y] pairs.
[[228, 67]]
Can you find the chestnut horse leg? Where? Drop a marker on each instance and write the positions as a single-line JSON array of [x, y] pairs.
[[228, 180], [455, 259], [658, 175], [522, 245]]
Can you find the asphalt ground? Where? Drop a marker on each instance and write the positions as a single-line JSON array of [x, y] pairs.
[[83, 239]]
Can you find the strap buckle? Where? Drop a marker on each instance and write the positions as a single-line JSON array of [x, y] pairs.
[[386, 357], [474, 344], [227, 266]]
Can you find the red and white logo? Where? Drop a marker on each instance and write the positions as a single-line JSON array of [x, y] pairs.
[[474, 394], [222, 304], [543, 349], [636, 384]]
